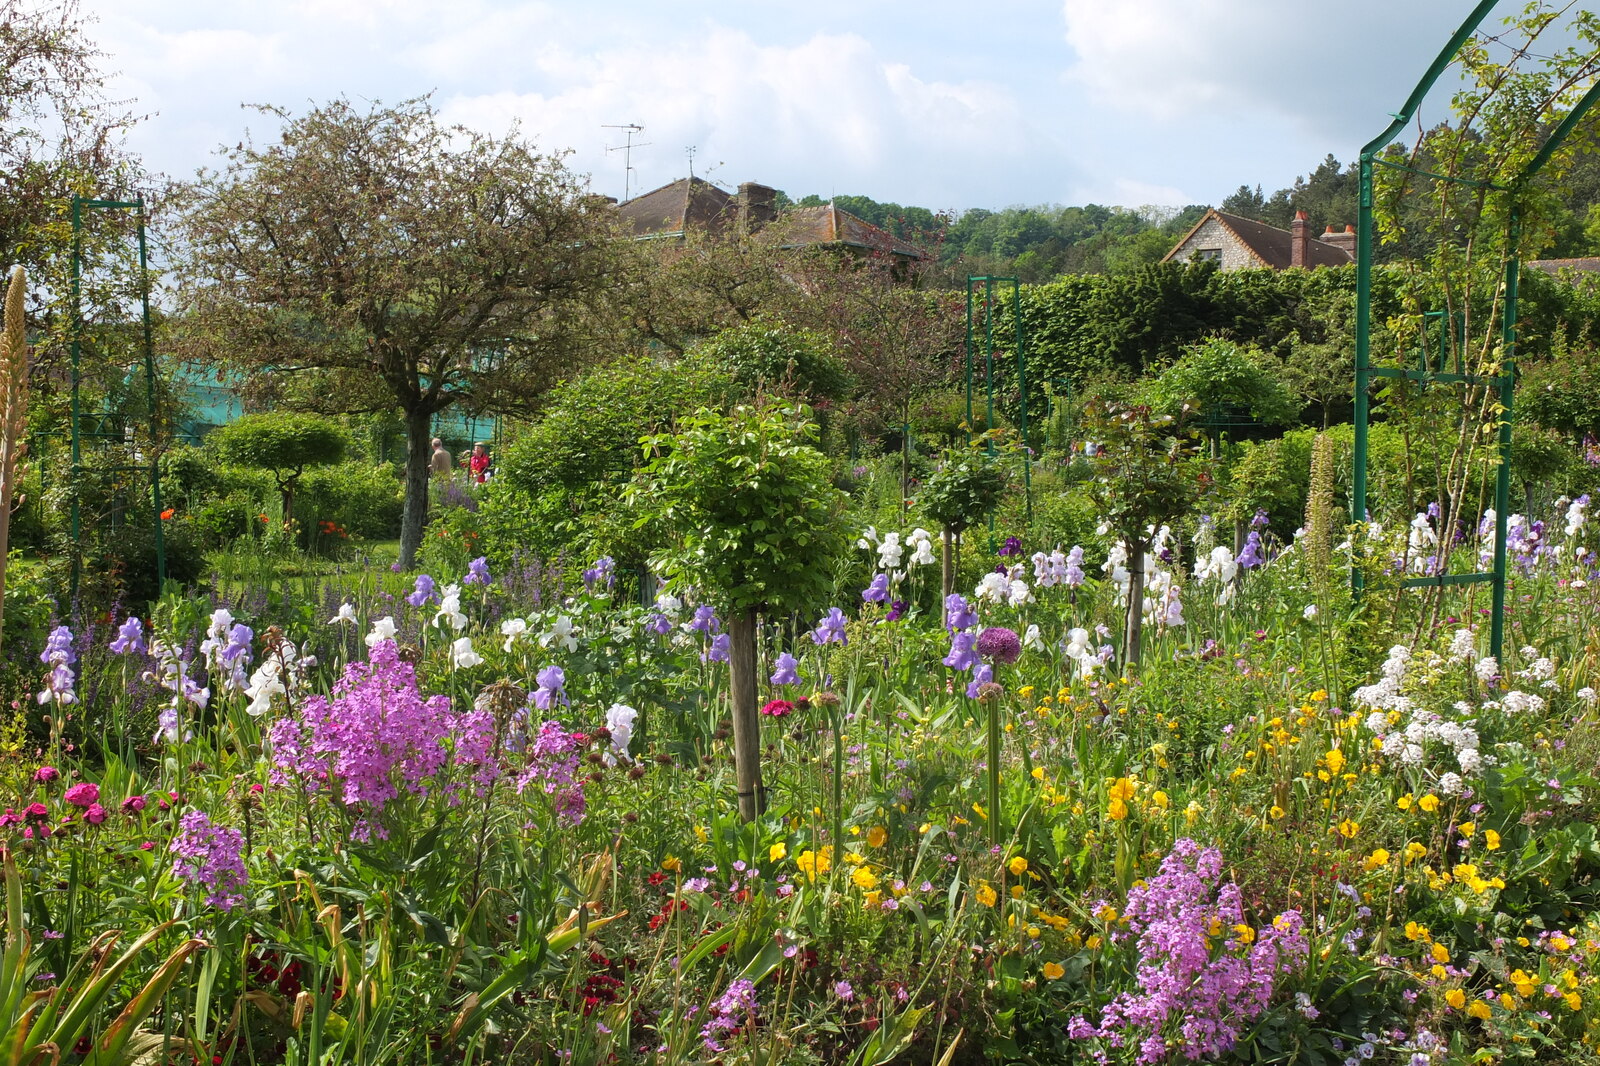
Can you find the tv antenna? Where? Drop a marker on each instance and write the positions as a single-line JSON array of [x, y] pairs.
[[626, 148]]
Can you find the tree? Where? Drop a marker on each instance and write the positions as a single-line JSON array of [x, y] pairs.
[[1221, 381], [756, 520], [283, 444], [379, 260], [1143, 477]]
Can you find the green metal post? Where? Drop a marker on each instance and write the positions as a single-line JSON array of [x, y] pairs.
[[77, 329], [1502, 480], [150, 397]]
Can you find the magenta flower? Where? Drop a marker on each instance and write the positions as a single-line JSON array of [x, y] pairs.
[[83, 794], [778, 709], [46, 774], [999, 644], [95, 814], [210, 856]]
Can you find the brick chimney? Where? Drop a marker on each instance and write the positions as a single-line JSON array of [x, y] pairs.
[[1345, 240], [758, 205], [1300, 241]]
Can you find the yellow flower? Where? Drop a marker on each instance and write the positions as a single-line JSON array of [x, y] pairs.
[[1093, 942], [1349, 829], [1467, 828], [1508, 1001], [1404, 802], [986, 895], [1106, 913], [1440, 953], [877, 836], [1244, 934], [1018, 866], [1276, 812], [1479, 1010], [671, 863], [812, 863], [1456, 998], [777, 852], [1379, 857], [1414, 851], [864, 879], [1037, 773], [1491, 840], [1191, 813], [1574, 1000], [1122, 789], [1319, 695], [980, 812], [1054, 971], [1160, 799], [1033, 932], [1335, 760], [1017, 892], [1416, 931], [1118, 810], [871, 899], [1429, 803], [702, 834]]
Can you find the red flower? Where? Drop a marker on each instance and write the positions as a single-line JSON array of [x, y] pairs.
[[778, 709]]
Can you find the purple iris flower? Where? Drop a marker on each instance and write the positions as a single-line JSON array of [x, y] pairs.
[[130, 637], [980, 677], [477, 572], [705, 620], [830, 630], [423, 593], [1250, 556], [878, 591], [552, 687], [658, 624], [897, 611], [1259, 520], [958, 613], [786, 672], [963, 651], [718, 652], [1012, 546]]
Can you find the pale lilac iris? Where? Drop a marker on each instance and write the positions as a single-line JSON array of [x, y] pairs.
[[878, 591], [830, 630], [130, 638], [786, 672]]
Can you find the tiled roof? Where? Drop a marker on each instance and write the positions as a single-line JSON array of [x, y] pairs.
[[1270, 245], [688, 203], [1588, 264], [828, 224]]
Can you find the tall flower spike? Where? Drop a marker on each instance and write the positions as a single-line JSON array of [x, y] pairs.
[[14, 353]]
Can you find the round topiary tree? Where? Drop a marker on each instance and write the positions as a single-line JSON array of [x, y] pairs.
[[283, 444], [961, 493], [746, 500]]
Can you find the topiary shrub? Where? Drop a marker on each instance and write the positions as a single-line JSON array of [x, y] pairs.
[[283, 444]]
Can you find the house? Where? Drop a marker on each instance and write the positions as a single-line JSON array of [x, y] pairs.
[[1237, 243], [694, 204], [1571, 269]]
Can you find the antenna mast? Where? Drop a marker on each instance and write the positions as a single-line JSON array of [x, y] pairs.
[[626, 148]]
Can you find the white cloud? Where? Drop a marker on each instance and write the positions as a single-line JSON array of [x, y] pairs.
[[1335, 68]]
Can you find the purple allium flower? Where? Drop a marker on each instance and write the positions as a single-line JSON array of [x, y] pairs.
[[478, 572], [209, 856], [878, 591], [963, 652], [958, 613], [999, 644], [786, 672], [830, 630], [130, 637], [552, 688]]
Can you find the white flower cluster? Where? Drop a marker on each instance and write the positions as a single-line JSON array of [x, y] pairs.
[[891, 552], [1003, 590], [1219, 566], [1388, 704]]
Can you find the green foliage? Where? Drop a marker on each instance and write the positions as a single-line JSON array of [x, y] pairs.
[[764, 356], [964, 491], [362, 499], [748, 498], [1145, 473], [1561, 393], [1221, 381], [282, 443]]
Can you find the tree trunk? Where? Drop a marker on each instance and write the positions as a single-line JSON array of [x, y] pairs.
[[419, 449], [1134, 626], [746, 719], [947, 564]]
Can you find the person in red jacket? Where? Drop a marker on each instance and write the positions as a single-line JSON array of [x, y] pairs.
[[479, 463]]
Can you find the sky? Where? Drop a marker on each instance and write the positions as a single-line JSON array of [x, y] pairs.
[[934, 103]]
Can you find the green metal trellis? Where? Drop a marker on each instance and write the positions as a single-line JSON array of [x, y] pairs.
[[1439, 372], [982, 319], [79, 205]]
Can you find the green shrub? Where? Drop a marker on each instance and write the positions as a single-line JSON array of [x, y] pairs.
[[362, 499], [284, 444]]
